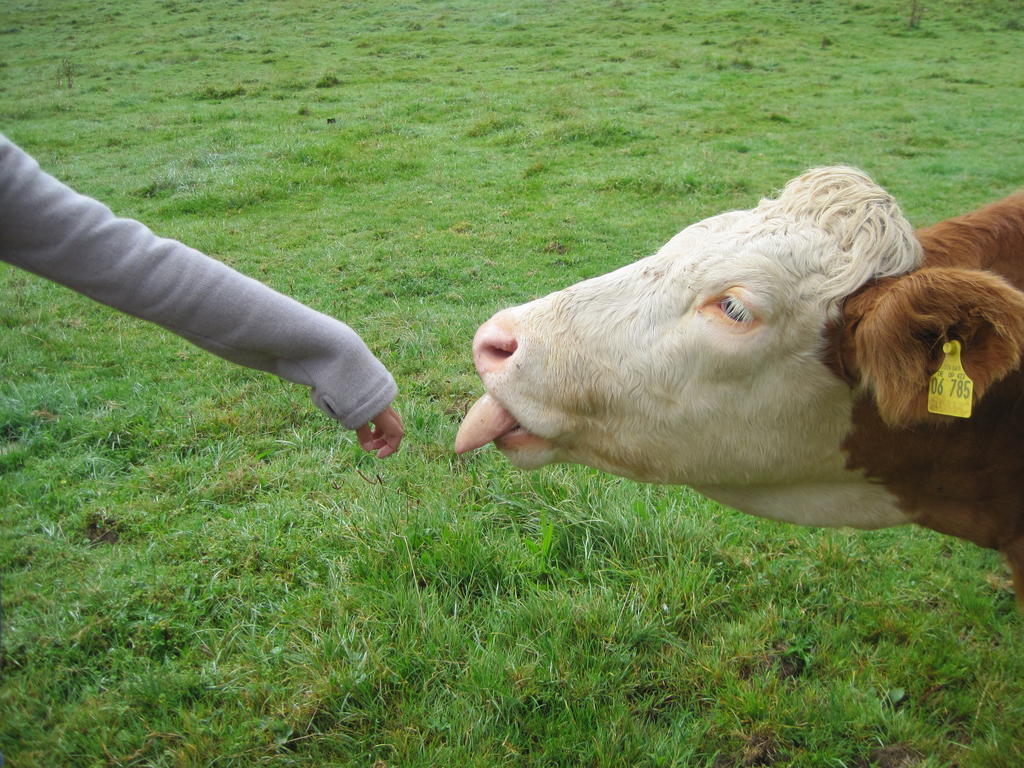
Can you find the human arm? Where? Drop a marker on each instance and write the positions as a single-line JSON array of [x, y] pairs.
[[51, 230]]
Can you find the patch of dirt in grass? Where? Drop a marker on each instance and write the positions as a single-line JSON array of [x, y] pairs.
[[757, 749], [790, 666], [786, 662], [100, 529], [891, 756]]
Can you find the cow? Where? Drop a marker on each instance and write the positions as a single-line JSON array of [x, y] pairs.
[[782, 360]]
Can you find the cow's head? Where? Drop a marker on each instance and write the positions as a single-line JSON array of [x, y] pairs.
[[711, 362]]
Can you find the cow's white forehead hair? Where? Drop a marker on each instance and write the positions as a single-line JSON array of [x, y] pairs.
[[871, 237]]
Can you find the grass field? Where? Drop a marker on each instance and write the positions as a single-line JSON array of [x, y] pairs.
[[200, 569]]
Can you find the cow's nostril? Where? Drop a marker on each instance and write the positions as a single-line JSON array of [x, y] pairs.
[[500, 349], [494, 344], [493, 353]]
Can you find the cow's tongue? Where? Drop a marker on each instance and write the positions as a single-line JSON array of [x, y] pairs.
[[486, 421]]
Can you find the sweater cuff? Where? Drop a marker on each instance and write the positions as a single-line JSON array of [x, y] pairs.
[[382, 394]]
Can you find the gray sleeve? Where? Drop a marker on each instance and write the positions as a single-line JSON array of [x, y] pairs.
[[49, 229]]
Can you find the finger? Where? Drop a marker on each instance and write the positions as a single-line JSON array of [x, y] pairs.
[[383, 433], [392, 443], [366, 438]]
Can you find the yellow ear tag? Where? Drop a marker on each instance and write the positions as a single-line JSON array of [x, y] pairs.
[[950, 389]]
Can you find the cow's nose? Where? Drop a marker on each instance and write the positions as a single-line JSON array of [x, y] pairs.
[[494, 344]]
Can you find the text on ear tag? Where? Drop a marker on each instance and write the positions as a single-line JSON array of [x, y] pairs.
[[950, 390]]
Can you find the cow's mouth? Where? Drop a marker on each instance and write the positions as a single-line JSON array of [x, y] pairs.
[[489, 421]]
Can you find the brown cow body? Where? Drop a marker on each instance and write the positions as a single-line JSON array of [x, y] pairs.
[[962, 477], [778, 360]]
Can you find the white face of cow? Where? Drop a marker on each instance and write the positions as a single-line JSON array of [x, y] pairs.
[[702, 364]]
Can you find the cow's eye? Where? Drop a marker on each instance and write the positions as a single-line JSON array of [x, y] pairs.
[[735, 310]]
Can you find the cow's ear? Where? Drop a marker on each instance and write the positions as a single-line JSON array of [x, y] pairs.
[[894, 330]]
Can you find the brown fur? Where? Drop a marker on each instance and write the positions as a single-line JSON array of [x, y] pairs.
[[991, 238], [897, 328], [963, 477]]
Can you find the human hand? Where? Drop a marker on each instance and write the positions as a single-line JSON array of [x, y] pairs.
[[384, 436]]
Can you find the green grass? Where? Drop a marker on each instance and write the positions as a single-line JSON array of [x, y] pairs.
[[199, 569]]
